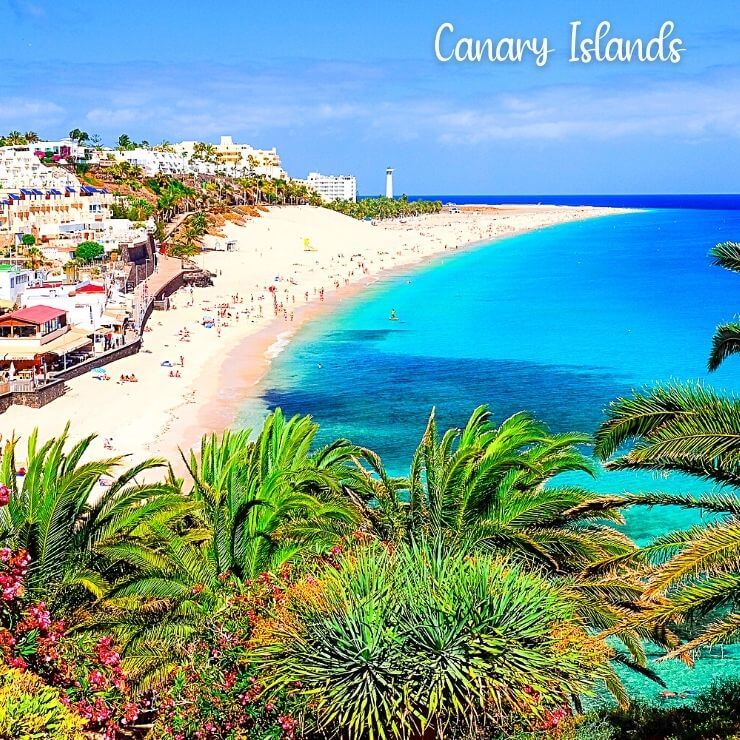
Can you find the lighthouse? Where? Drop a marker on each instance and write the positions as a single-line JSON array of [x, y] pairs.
[[389, 182]]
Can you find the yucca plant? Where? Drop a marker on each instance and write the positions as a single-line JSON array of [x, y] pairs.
[[726, 340], [424, 640], [69, 513], [688, 429]]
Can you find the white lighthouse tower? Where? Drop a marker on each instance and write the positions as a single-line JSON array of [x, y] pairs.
[[389, 182]]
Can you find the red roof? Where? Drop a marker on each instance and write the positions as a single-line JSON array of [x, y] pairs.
[[35, 314], [90, 288]]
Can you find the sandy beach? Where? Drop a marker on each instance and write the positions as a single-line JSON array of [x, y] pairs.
[[290, 266]]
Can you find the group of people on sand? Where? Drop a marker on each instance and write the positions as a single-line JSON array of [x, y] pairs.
[[128, 379]]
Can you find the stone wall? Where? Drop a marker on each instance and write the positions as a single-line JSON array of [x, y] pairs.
[[101, 360], [41, 396]]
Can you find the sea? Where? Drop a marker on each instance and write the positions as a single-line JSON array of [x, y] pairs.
[[557, 322]]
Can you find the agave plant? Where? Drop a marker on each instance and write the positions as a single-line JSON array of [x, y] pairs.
[[61, 512], [423, 639], [692, 430], [492, 486], [726, 340]]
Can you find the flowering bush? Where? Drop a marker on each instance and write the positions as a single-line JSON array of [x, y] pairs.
[[86, 671], [217, 692]]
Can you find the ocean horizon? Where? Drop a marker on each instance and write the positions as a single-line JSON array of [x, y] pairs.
[[702, 201], [557, 322]]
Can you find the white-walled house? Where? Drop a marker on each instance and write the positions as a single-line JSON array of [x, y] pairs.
[[14, 280], [84, 303]]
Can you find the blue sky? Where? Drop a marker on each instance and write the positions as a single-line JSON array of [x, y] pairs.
[[353, 88]]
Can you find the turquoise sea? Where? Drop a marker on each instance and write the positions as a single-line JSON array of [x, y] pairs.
[[557, 322]]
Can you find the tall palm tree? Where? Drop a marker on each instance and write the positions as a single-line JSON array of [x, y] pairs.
[[63, 515], [692, 430], [726, 340]]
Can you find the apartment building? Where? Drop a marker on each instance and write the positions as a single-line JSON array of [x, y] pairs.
[[333, 187]]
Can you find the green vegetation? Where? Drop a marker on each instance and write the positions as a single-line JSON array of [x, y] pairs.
[[89, 251], [16, 138], [715, 713], [414, 640], [282, 589], [726, 339], [30, 710], [28, 240], [379, 208]]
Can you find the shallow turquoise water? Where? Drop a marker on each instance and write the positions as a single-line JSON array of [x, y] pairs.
[[558, 322]]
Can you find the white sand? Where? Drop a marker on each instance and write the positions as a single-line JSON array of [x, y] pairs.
[[222, 366]]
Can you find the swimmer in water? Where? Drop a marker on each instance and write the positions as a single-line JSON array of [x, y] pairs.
[[393, 316]]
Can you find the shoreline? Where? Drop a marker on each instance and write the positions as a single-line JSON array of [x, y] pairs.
[[252, 354], [291, 254]]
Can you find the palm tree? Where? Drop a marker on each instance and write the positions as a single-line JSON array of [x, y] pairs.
[[31, 137], [79, 136], [63, 516], [258, 505], [492, 487], [726, 340], [14, 138], [688, 428], [692, 430], [125, 143]]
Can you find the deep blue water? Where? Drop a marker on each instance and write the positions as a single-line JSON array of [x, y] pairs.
[[558, 322], [703, 201]]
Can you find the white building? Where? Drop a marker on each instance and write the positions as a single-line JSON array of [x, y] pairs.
[[233, 158], [14, 280], [66, 150], [46, 201], [21, 168], [84, 303], [389, 182], [155, 162], [333, 187]]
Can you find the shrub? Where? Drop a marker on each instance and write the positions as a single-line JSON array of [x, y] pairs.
[[28, 240], [421, 640], [30, 710]]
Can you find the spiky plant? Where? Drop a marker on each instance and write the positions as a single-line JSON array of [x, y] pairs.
[[422, 640], [61, 512], [726, 340]]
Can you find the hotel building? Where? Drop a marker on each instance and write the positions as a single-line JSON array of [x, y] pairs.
[[333, 187], [235, 157]]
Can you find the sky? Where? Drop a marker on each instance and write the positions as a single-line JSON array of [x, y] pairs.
[[351, 88]]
